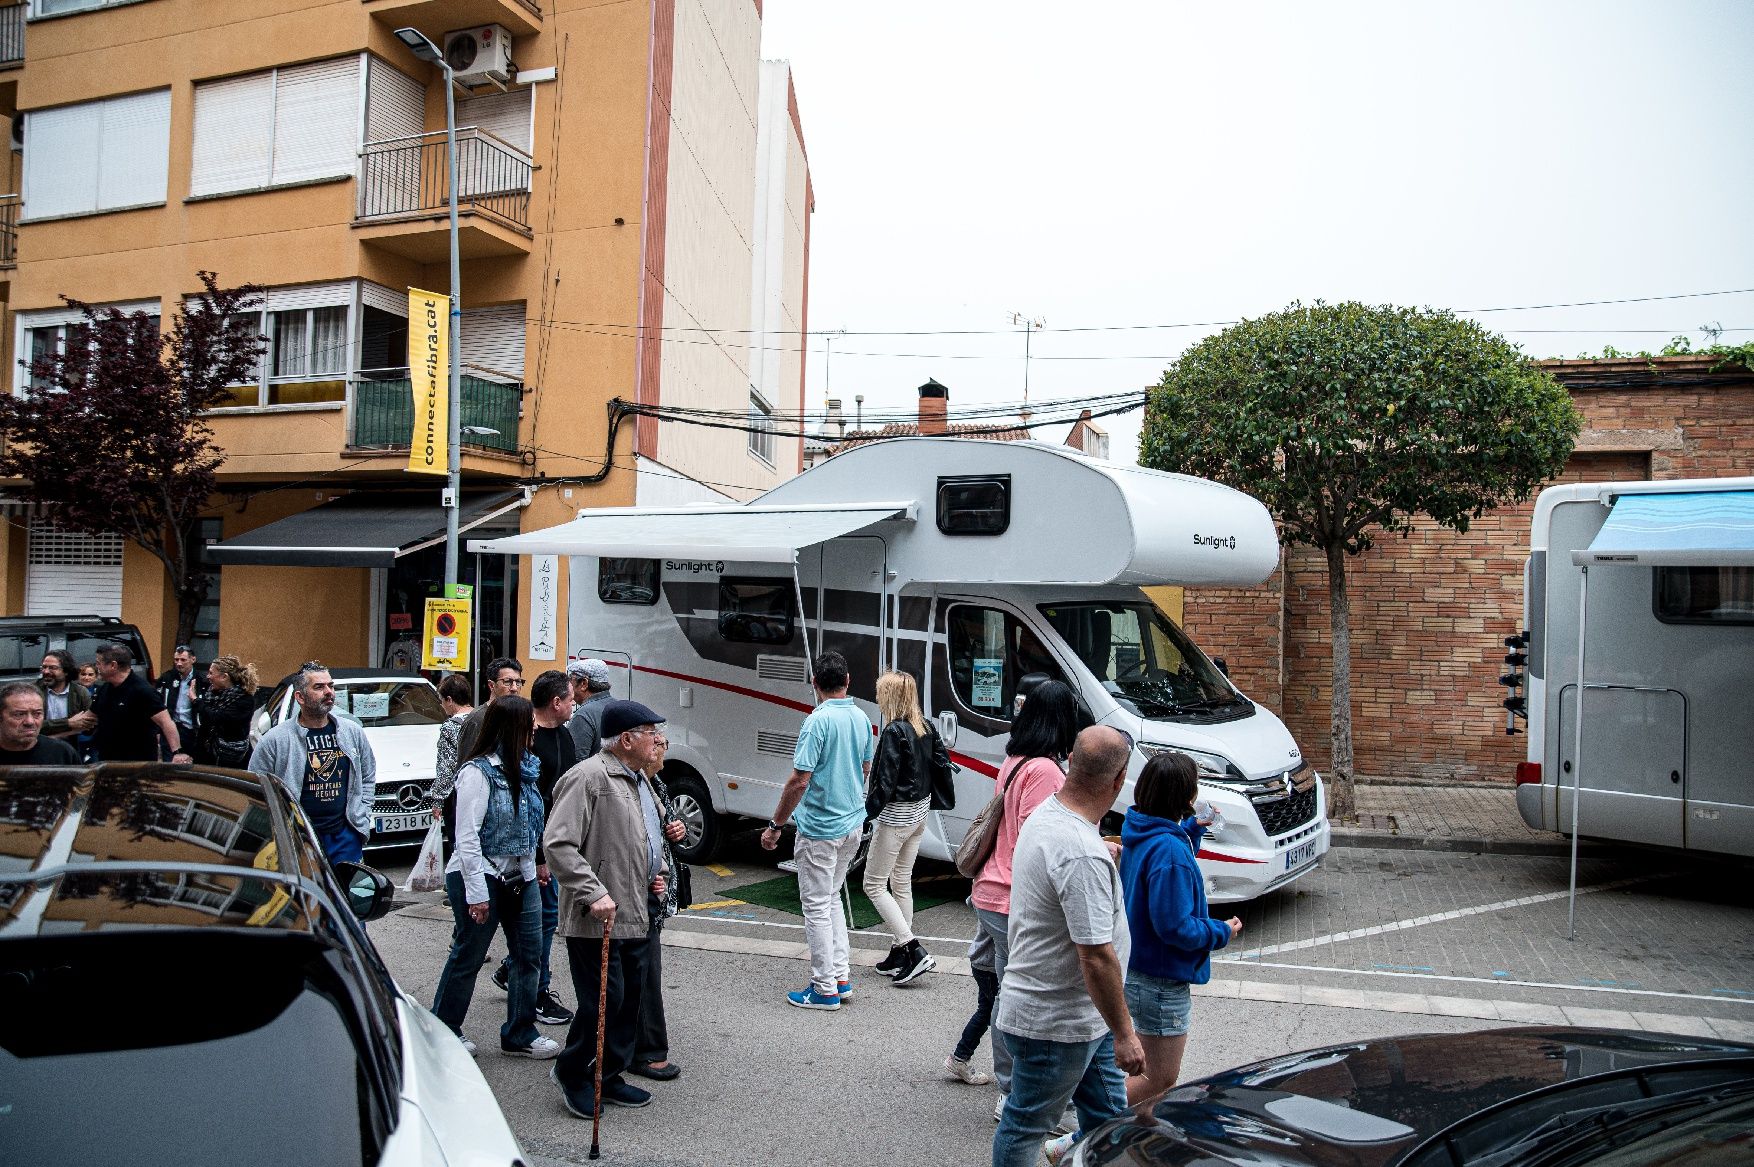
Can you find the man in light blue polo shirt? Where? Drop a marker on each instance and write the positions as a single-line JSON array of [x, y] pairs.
[[825, 797]]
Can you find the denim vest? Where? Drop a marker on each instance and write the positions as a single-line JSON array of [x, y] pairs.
[[505, 830]]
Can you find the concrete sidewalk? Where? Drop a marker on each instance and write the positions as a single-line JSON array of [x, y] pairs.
[[1471, 816]]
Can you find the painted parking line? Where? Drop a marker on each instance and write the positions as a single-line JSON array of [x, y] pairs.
[[716, 904], [720, 870], [1504, 979], [1434, 918]]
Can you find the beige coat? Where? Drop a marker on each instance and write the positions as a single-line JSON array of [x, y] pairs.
[[596, 843]]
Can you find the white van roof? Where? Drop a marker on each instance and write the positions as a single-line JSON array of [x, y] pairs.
[[1072, 520]]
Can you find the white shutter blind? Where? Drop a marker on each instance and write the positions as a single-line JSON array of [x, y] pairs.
[[135, 165], [506, 116], [493, 340], [395, 104], [72, 574], [316, 120], [234, 134], [384, 299], [61, 150], [339, 293]]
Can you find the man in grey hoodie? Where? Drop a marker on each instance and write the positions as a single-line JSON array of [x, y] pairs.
[[324, 762]]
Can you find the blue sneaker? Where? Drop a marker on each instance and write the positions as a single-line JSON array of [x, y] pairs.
[[809, 998], [846, 990]]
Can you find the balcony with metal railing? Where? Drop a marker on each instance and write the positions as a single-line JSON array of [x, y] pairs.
[[404, 196], [9, 207], [12, 35], [436, 17], [383, 412]]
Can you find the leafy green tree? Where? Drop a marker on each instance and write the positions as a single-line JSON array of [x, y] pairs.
[[1348, 421], [112, 437]]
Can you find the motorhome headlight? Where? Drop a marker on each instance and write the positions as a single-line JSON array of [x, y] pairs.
[[1212, 766]]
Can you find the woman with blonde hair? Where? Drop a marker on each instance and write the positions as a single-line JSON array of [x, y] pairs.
[[223, 712], [909, 777]]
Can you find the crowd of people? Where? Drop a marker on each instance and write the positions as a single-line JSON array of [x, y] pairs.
[[104, 710]]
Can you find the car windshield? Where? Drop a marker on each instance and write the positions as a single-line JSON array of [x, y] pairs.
[[1144, 661], [216, 1049], [383, 701]]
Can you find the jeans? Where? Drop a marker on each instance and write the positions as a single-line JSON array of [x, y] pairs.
[[822, 869], [518, 913], [627, 975], [997, 926], [343, 845], [1045, 1075], [889, 876], [550, 925], [652, 1039], [987, 986]]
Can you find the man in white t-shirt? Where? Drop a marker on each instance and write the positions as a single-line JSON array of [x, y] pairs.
[[1062, 1006]]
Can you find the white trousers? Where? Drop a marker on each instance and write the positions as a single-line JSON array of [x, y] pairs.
[[822, 869]]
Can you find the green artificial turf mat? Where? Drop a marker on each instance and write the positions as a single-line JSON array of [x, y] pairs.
[[781, 893]]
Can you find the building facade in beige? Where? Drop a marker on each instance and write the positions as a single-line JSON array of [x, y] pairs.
[[634, 205]]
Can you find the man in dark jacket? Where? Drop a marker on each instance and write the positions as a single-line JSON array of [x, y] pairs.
[[66, 702], [179, 687]]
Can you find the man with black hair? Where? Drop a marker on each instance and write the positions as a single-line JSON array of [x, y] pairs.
[[131, 717], [22, 742], [552, 743], [503, 677], [825, 797]]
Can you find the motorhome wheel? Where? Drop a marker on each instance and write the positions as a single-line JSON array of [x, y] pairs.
[[695, 808]]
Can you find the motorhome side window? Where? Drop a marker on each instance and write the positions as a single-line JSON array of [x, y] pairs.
[[1704, 595], [990, 651], [627, 581], [756, 611], [974, 504]]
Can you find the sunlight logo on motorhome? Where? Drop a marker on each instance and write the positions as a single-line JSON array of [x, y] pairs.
[[1227, 542], [695, 566]]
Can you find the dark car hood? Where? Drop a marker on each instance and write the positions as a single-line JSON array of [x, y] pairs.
[[1369, 1103]]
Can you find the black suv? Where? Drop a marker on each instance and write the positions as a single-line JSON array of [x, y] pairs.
[[24, 640]]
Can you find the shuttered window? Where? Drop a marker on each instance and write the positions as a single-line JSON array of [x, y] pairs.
[[72, 573], [47, 332], [291, 125], [507, 116], [484, 167], [493, 342], [395, 104], [97, 156]]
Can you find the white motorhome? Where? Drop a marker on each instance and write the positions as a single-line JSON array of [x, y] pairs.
[[1656, 581], [970, 564]]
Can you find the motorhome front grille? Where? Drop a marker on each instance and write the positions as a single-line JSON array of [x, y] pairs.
[[1280, 813], [781, 668], [782, 745]]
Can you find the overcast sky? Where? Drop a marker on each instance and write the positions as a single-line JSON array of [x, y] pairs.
[[1146, 163]]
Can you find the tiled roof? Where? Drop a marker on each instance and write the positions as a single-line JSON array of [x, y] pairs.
[[908, 429]]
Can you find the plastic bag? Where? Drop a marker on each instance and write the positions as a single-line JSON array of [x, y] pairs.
[[429, 869]]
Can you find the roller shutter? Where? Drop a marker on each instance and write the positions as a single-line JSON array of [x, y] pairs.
[[493, 342], [72, 574]]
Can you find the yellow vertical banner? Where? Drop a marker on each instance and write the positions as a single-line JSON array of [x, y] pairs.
[[429, 371]]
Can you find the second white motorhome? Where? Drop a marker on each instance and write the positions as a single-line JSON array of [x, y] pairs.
[[981, 563]]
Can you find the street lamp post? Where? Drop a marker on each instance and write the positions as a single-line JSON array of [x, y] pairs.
[[423, 48]]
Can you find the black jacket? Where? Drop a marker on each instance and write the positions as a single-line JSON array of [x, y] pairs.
[[167, 690], [223, 715], [910, 767]]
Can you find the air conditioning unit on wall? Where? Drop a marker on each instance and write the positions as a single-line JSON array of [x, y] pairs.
[[480, 55]]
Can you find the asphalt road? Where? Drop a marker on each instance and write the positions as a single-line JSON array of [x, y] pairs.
[[1375, 943]]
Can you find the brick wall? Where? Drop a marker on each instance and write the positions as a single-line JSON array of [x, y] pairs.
[[1430, 611]]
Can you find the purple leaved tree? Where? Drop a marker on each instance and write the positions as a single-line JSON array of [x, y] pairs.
[[111, 437]]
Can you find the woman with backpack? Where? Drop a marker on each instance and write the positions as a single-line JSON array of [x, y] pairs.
[[910, 776]]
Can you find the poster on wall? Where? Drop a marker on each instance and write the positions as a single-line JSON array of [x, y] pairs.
[[544, 606]]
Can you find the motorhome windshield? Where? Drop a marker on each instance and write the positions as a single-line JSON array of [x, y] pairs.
[[1145, 662]]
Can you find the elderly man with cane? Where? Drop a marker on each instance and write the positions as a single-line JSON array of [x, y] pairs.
[[605, 847]]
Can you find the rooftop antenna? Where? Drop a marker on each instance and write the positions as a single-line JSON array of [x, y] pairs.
[[1030, 326], [859, 400]]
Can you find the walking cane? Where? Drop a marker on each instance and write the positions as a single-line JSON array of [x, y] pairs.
[[602, 1017]]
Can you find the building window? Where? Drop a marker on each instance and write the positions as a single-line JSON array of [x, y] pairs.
[[44, 335], [309, 347], [41, 8], [756, 611], [1704, 595], [761, 435], [974, 505], [281, 127], [627, 581], [97, 156]]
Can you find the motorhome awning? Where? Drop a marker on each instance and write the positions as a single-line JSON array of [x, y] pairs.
[[749, 534], [364, 529], [1712, 528]]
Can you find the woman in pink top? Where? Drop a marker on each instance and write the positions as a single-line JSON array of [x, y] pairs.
[[1041, 737]]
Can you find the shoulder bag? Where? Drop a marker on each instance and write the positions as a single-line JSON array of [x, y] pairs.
[[983, 833]]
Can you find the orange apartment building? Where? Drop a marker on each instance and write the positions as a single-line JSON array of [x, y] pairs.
[[635, 204]]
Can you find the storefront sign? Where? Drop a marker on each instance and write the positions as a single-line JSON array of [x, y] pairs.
[[429, 372]]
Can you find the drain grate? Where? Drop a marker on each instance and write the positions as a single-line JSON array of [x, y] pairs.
[[1378, 822]]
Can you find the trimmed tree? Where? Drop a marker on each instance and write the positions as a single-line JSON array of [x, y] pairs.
[[1347, 421], [111, 437]]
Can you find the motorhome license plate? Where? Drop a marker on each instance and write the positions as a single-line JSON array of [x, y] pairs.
[[1299, 855], [391, 824]]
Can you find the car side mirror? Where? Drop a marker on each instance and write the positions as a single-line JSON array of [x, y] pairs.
[[370, 893], [1223, 665], [947, 728]]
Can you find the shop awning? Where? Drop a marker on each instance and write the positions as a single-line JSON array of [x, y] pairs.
[[748, 534], [1713, 528], [364, 529]]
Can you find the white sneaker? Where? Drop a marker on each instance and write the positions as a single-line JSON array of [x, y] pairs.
[[1058, 1149], [999, 1108], [541, 1049], [961, 1071], [469, 1046]]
